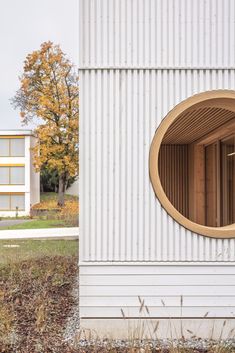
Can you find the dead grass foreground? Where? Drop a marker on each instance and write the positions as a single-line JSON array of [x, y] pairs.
[[35, 301]]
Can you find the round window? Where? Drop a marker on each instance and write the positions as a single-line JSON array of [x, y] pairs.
[[192, 163]]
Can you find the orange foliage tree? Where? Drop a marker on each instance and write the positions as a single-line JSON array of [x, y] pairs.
[[49, 94]]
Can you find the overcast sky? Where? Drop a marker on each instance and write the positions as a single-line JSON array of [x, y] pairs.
[[24, 25]]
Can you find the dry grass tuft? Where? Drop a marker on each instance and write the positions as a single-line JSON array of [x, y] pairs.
[[36, 300]]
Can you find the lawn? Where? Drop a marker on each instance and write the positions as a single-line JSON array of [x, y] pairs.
[[18, 250], [38, 223]]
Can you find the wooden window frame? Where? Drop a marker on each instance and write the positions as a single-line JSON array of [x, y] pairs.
[[220, 98]]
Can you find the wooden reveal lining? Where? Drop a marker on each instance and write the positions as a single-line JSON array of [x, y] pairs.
[[218, 133], [194, 102], [190, 126], [173, 170], [196, 183]]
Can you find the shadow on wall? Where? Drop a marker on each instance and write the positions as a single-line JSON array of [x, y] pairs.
[[73, 189]]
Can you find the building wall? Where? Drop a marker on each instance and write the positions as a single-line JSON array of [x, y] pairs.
[[137, 61], [182, 290], [156, 34], [31, 188], [34, 178], [122, 219], [73, 189]]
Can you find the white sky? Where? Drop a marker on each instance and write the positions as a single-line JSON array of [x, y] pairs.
[[24, 25]]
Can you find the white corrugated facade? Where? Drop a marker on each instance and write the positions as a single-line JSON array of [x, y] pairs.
[[138, 59]]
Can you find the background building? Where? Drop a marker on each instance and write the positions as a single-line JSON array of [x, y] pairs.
[[19, 183], [138, 61]]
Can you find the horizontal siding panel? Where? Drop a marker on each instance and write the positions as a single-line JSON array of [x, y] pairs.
[[159, 270], [209, 311], [188, 301], [128, 311], [128, 301], [139, 290], [169, 33], [157, 280], [176, 294], [120, 218], [158, 312], [215, 301]]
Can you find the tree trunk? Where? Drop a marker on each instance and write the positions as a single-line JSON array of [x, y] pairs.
[[61, 190]]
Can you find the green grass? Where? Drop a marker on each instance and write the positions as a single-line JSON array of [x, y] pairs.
[[11, 218], [45, 196], [37, 223], [32, 249]]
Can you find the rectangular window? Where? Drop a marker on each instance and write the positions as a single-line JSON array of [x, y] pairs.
[[17, 201], [5, 202], [17, 176], [12, 147], [12, 202], [4, 147], [12, 175], [17, 147], [4, 176]]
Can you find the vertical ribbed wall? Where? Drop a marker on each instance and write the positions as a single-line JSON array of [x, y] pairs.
[[165, 33], [138, 60]]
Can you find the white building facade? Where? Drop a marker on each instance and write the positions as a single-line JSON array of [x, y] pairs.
[[138, 60], [19, 183]]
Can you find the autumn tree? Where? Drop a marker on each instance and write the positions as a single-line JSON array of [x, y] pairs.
[[49, 95]]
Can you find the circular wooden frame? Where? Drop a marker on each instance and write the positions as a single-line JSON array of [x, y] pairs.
[[225, 98]]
